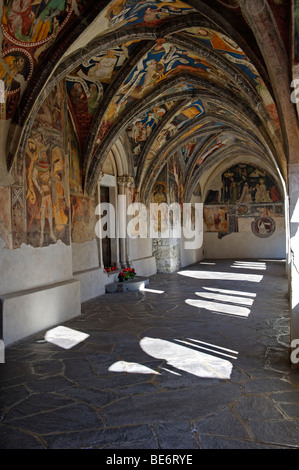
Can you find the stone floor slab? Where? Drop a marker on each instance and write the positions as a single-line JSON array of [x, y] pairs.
[[112, 392]]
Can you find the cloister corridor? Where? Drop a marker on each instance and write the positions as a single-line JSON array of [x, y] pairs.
[[198, 360]]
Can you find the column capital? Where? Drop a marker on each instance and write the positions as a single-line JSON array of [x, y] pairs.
[[101, 175], [126, 181]]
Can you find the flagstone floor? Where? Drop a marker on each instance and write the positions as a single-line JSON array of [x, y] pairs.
[[199, 360]]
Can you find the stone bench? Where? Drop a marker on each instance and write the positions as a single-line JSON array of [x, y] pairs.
[[131, 285]]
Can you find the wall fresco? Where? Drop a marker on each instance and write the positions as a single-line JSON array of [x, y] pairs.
[[28, 29], [187, 149], [296, 31], [5, 216], [83, 103], [121, 13], [47, 198], [168, 188], [83, 220], [34, 22], [177, 124], [141, 129], [213, 146], [227, 47], [216, 219], [88, 83], [162, 62], [104, 67], [75, 172], [15, 70], [231, 51], [244, 191], [175, 181]]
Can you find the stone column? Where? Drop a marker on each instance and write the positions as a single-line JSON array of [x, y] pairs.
[[100, 250], [294, 248], [124, 184], [167, 253]]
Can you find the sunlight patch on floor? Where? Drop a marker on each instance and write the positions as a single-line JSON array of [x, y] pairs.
[[64, 337], [131, 368], [216, 307], [187, 359], [171, 371], [152, 291], [221, 276], [233, 292], [226, 298], [249, 265], [220, 348], [199, 346]]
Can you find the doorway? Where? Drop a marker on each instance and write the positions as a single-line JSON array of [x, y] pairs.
[[106, 242]]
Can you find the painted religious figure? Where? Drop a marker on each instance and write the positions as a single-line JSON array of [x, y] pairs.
[[216, 219], [14, 70], [124, 12], [47, 207], [46, 191], [245, 184], [247, 192], [33, 21]]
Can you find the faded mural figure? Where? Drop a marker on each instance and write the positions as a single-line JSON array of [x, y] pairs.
[[46, 19], [160, 194], [79, 99], [13, 71], [233, 191], [92, 98], [32, 21], [262, 195], [246, 195], [159, 197], [18, 20], [59, 190], [247, 192], [41, 177], [103, 68], [46, 189]]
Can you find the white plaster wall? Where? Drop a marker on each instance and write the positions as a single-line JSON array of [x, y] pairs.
[[27, 267], [188, 256], [85, 255], [145, 267], [139, 248], [244, 245], [31, 311], [141, 256], [93, 283]]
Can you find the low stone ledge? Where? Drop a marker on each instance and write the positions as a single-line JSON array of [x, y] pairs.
[[93, 282], [131, 285], [27, 312]]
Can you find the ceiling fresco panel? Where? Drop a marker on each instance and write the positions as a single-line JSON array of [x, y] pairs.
[[163, 61], [164, 77], [122, 13], [28, 29]]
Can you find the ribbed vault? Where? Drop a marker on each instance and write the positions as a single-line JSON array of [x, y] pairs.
[[158, 75]]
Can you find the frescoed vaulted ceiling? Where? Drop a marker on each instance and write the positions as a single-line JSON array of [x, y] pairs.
[[166, 77]]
